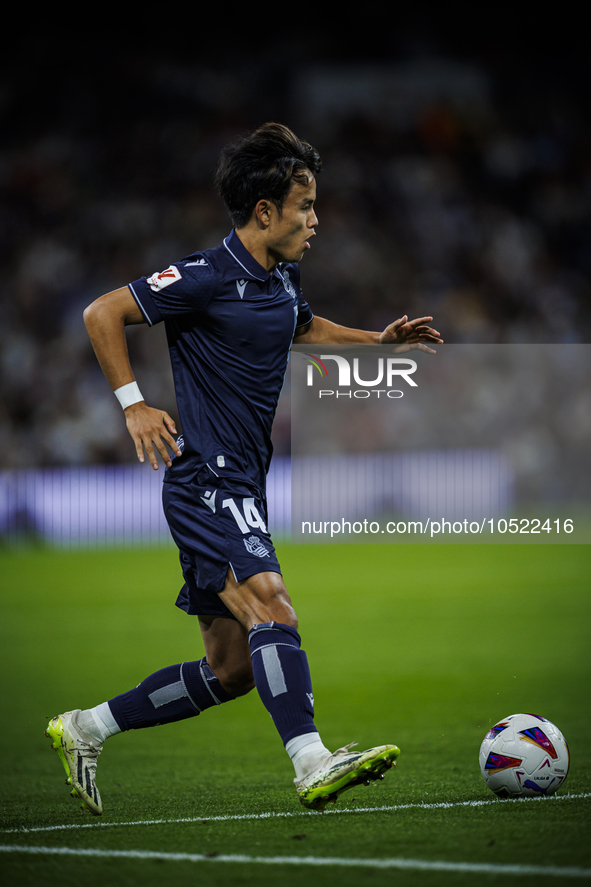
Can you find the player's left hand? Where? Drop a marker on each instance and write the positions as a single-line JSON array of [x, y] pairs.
[[409, 335]]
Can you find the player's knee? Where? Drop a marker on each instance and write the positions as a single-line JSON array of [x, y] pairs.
[[238, 681], [233, 672], [277, 604], [278, 609], [288, 616], [260, 598], [241, 688]]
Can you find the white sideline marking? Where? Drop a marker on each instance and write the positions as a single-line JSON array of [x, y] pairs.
[[409, 864], [442, 805]]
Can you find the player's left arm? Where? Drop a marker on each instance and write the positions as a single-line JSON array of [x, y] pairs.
[[405, 334]]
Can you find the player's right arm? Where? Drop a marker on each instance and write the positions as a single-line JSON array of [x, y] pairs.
[[105, 320]]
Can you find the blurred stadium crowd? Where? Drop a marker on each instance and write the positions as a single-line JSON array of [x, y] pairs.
[[448, 189]]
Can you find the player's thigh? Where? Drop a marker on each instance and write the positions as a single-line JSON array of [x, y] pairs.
[[260, 598], [228, 653]]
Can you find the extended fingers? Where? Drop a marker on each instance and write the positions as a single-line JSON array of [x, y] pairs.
[[169, 423], [425, 332], [159, 439], [152, 431], [431, 335], [146, 441], [411, 332]]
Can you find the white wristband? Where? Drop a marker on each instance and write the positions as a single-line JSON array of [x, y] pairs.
[[128, 394]]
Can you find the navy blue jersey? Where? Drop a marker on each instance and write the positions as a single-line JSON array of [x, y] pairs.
[[230, 325]]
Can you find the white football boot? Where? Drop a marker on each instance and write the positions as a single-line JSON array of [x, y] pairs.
[[78, 752], [342, 770]]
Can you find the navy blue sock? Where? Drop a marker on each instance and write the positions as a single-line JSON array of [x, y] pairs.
[[282, 678], [171, 694]]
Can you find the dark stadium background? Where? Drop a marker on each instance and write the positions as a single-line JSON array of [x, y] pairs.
[[457, 183]]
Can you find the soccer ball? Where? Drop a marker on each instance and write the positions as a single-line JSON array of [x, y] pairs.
[[524, 756]]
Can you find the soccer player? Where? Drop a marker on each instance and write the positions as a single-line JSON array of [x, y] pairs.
[[231, 314]]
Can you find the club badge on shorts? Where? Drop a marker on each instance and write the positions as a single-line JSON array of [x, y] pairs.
[[254, 546]]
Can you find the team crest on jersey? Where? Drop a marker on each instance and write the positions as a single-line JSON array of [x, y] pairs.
[[254, 546], [164, 278], [289, 287]]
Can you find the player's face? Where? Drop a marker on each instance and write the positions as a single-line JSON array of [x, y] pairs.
[[291, 229]]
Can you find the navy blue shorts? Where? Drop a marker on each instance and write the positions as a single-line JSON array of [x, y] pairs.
[[215, 528]]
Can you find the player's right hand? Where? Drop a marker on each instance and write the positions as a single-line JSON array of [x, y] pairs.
[[151, 429], [410, 335]]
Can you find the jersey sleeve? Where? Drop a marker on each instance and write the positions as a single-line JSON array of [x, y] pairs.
[[305, 314], [183, 288]]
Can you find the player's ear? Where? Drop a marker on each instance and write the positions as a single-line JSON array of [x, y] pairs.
[[262, 212]]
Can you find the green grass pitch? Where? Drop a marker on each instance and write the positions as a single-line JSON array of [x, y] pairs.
[[423, 646]]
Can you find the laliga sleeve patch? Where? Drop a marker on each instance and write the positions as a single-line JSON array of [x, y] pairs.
[[165, 278]]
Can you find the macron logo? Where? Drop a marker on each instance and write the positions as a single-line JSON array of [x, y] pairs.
[[209, 499], [241, 286]]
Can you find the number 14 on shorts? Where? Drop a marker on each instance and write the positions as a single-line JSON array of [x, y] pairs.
[[250, 519]]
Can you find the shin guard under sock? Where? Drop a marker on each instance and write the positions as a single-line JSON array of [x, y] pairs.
[[282, 678], [171, 694]]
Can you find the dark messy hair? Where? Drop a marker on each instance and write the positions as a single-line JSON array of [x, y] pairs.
[[263, 165]]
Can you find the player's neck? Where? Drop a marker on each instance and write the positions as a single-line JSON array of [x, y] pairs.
[[255, 242]]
